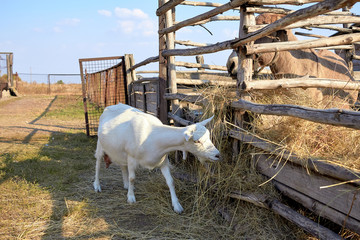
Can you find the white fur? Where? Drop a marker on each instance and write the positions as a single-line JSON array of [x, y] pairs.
[[132, 138]]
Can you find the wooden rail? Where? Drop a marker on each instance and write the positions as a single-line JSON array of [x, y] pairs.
[[336, 117]]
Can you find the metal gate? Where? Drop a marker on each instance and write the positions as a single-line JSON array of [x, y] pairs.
[[103, 84]]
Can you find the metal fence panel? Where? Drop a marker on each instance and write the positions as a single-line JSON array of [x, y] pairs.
[[103, 84]]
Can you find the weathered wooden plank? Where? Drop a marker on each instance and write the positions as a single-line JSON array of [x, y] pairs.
[[314, 10], [319, 208], [203, 4], [151, 87], [320, 8], [206, 15], [196, 99], [152, 107], [138, 87], [168, 6], [276, 2], [286, 212], [151, 97], [179, 120], [336, 117], [145, 62], [197, 65], [303, 44], [191, 43], [341, 197], [316, 165], [318, 20], [301, 83]]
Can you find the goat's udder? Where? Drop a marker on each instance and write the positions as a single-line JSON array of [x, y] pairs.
[[107, 160]]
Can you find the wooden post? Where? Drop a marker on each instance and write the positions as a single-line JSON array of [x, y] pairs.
[[200, 60], [349, 53], [129, 77], [163, 109], [171, 67], [49, 84], [245, 70]]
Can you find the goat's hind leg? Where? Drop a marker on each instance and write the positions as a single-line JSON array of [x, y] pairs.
[[131, 179], [99, 154]]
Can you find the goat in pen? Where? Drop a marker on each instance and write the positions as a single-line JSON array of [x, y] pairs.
[[131, 138]]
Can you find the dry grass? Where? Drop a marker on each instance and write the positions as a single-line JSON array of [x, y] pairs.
[[339, 145], [26, 88]]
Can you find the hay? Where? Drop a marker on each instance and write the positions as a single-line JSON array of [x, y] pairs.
[[303, 138], [217, 180]]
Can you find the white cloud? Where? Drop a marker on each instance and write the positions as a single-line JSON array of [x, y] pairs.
[[135, 22], [38, 30], [57, 29], [127, 26], [68, 22], [105, 13], [130, 13]]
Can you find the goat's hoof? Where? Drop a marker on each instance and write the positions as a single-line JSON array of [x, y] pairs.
[[131, 199], [97, 187], [178, 208]]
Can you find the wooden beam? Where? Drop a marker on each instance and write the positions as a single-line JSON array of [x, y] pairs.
[[316, 165], [179, 120], [319, 208], [320, 8], [197, 65], [218, 18], [227, 83], [303, 44], [199, 50], [276, 2], [302, 14], [341, 197], [317, 20], [336, 117], [145, 62], [203, 4], [196, 99], [167, 6], [190, 43], [301, 83], [315, 229], [206, 15]]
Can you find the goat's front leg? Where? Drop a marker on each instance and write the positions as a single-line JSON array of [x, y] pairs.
[[125, 175], [131, 172], [165, 170]]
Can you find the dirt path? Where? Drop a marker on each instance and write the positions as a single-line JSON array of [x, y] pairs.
[[24, 118]]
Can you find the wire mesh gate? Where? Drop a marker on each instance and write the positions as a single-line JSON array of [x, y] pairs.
[[103, 84]]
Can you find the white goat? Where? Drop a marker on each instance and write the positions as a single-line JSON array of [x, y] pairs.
[[131, 138]]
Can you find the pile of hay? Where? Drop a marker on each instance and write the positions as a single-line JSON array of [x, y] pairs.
[[304, 138]]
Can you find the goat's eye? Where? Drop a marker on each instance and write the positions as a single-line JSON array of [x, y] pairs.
[[197, 141]]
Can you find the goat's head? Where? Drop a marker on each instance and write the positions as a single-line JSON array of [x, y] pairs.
[[197, 141]]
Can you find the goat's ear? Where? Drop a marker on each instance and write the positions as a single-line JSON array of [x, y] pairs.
[[206, 121], [189, 133]]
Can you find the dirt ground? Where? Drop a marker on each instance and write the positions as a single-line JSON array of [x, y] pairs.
[[23, 118]]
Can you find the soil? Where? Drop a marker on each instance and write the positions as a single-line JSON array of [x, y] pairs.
[[22, 118]]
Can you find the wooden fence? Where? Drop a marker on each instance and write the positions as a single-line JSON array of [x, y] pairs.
[[340, 203]]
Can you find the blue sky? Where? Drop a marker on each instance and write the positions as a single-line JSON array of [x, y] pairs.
[[50, 36]]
